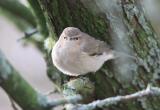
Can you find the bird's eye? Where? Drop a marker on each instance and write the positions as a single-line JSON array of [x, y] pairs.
[[65, 37], [76, 38]]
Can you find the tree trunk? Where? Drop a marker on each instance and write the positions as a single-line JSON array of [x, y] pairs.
[[123, 25]]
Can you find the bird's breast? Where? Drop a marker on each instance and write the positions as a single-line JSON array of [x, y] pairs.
[[67, 60], [73, 62]]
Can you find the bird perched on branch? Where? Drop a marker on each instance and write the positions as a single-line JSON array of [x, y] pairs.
[[77, 53]]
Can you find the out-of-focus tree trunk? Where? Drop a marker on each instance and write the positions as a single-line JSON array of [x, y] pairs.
[[119, 23]]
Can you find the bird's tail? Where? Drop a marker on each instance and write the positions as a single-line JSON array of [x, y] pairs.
[[112, 54]]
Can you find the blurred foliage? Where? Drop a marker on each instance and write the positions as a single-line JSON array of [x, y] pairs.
[[18, 13]]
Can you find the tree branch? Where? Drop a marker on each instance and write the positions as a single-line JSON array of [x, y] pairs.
[[154, 91], [40, 19], [18, 10], [73, 100], [19, 89]]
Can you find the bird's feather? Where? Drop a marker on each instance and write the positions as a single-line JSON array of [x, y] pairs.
[[92, 46]]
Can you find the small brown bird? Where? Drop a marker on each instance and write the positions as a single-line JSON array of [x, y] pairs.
[[77, 53]]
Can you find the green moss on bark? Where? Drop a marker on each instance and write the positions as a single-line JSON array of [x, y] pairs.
[[18, 89]]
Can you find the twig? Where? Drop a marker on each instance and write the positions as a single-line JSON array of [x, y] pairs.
[[51, 92], [28, 34], [113, 100], [73, 100], [13, 103]]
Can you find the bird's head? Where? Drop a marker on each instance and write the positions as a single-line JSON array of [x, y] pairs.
[[71, 35]]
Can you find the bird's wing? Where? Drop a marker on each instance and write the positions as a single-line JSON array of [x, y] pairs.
[[92, 47]]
